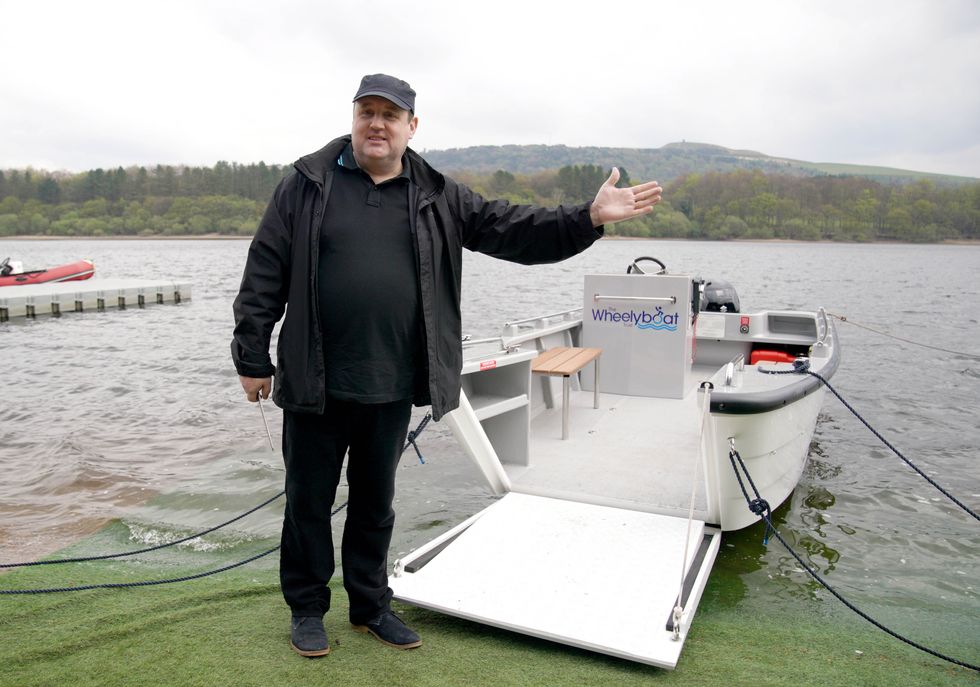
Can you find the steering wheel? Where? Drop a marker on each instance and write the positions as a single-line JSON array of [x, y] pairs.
[[635, 269]]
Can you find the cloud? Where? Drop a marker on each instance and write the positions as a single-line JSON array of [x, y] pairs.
[[107, 83]]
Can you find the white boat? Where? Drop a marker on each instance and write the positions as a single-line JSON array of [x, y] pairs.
[[605, 539]]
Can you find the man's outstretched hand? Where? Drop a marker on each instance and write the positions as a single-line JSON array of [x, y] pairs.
[[613, 204]]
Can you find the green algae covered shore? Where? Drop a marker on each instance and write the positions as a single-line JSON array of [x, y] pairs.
[[232, 629]]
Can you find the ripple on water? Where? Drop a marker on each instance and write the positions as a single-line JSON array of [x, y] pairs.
[[108, 415]]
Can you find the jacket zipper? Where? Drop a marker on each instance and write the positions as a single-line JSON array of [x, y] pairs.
[[414, 217], [318, 213]]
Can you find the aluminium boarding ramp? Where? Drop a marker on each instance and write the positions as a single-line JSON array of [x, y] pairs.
[[600, 578], [583, 556]]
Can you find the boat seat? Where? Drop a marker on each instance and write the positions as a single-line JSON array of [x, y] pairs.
[[564, 362]]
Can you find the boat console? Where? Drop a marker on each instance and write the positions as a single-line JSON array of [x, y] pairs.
[[645, 328]]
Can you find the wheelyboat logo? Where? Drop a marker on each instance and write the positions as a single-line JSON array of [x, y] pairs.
[[641, 319]]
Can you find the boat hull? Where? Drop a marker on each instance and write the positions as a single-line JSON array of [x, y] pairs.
[[614, 491], [774, 446], [74, 271]]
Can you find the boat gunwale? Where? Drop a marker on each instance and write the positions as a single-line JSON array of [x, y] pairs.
[[726, 402], [755, 402]]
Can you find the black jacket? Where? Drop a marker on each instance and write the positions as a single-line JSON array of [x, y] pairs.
[[445, 217]]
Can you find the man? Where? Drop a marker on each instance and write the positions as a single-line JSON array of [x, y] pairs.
[[363, 240]]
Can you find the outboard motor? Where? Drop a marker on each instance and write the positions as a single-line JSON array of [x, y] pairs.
[[698, 286], [719, 296]]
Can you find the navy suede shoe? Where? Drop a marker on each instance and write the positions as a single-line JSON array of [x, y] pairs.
[[307, 636], [389, 629]]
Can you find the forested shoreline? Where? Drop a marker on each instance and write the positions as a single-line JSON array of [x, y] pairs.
[[229, 199]]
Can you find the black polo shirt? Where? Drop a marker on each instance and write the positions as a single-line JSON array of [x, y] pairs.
[[367, 287]]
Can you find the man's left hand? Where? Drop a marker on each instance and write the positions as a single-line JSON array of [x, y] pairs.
[[613, 204]]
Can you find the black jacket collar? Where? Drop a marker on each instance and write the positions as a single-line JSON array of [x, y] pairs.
[[319, 165]]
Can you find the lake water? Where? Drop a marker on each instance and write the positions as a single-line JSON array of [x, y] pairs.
[[138, 415]]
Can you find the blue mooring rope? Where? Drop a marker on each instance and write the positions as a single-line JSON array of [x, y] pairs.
[[760, 507], [802, 366], [107, 556]]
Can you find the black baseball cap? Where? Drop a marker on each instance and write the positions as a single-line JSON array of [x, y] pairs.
[[395, 90]]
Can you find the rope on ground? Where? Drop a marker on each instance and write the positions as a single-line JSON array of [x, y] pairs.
[[412, 436], [144, 583], [802, 366], [83, 559], [761, 508], [843, 318], [151, 583]]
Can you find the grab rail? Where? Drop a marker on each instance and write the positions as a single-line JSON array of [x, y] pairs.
[[826, 327], [541, 317], [467, 341], [671, 299]]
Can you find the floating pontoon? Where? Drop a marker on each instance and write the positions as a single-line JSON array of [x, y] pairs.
[[95, 294]]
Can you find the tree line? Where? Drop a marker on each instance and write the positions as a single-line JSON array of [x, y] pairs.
[[743, 204], [751, 204], [228, 198]]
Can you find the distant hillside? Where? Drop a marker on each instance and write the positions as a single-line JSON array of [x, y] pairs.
[[736, 194], [665, 164]]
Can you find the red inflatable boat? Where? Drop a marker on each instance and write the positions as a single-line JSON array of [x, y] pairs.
[[73, 271]]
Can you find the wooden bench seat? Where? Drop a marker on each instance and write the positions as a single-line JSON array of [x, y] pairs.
[[564, 362]]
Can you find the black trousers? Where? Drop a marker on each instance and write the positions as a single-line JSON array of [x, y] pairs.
[[313, 448]]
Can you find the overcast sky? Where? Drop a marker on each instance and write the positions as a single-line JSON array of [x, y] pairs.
[[92, 83]]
